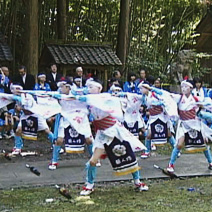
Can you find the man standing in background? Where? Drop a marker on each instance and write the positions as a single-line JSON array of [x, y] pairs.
[[27, 81], [53, 77]]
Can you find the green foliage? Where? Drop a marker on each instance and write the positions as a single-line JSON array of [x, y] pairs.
[[164, 195], [158, 28]]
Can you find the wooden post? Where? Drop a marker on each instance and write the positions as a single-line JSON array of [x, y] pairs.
[[32, 37], [105, 79]]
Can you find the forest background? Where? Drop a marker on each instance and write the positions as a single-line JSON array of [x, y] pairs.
[[143, 33]]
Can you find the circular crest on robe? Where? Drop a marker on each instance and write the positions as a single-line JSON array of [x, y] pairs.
[[159, 128], [73, 133], [192, 133], [29, 123], [119, 150]]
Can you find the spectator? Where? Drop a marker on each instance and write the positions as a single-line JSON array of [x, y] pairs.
[[150, 79], [78, 82], [117, 76], [27, 81], [198, 90], [3, 81], [130, 85], [79, 73], [3, 114], [142, 78], [157, 83], [7, 79], [42, 85], [113, 81], [53, 77]]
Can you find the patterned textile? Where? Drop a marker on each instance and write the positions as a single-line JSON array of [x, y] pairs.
[[30, 128], [132, 127], [121, 157], [74, 142], [155, 110], [187, 114], [104, 123], [159, 132], [194, 141]]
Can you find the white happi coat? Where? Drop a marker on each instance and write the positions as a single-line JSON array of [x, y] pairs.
[[188, 120], [151, 101], [75, 113], [131, 105], [108, 126]]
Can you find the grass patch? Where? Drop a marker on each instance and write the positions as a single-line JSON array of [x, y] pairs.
[[163, 195]]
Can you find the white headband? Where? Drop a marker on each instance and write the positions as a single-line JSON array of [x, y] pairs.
[[113, 87], [41, 75], [63, 83], [94, 83], [186, 83], [12, 87], [145, 85]]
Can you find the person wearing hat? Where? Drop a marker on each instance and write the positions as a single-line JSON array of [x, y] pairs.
[[42, 85], [73, 114], [111, 137], [191, 131]]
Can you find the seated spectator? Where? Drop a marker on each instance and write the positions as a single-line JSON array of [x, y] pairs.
[[3, 114], [42, 84], [114, 89], [78, 82], [130, 85], [113, 81], [199, 90], [78, 88], [117, 76], [157, 83], [16, 113]]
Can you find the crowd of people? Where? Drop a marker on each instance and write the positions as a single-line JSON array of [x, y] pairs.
[[76, 112]]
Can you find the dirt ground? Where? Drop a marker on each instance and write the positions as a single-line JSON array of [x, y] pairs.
[[42, 146]]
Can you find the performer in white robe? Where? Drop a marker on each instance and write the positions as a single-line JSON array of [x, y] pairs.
[[73, 113], [190, 128], [159, 124], [31, 120], [109, 132]]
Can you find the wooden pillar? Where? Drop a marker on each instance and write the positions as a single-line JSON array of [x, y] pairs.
[[32, 37], [105, 79]]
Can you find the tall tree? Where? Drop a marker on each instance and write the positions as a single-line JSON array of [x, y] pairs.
[[123, 31], [32, 36], [62, 19]]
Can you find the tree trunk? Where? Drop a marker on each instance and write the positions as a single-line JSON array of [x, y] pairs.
[[62, 19], [32, 37], [122, 41]]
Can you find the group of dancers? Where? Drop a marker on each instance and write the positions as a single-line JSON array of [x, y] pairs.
[[116, 123]]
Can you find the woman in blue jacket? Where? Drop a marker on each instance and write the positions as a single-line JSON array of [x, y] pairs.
[[130, 85]]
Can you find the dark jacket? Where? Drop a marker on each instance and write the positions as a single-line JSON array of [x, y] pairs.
[[52, 82], [29, 82]]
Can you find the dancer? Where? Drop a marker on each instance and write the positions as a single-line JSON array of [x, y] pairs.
[[111, 137], [191, 131], [159, 126], [30, 121], [73, 120]]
